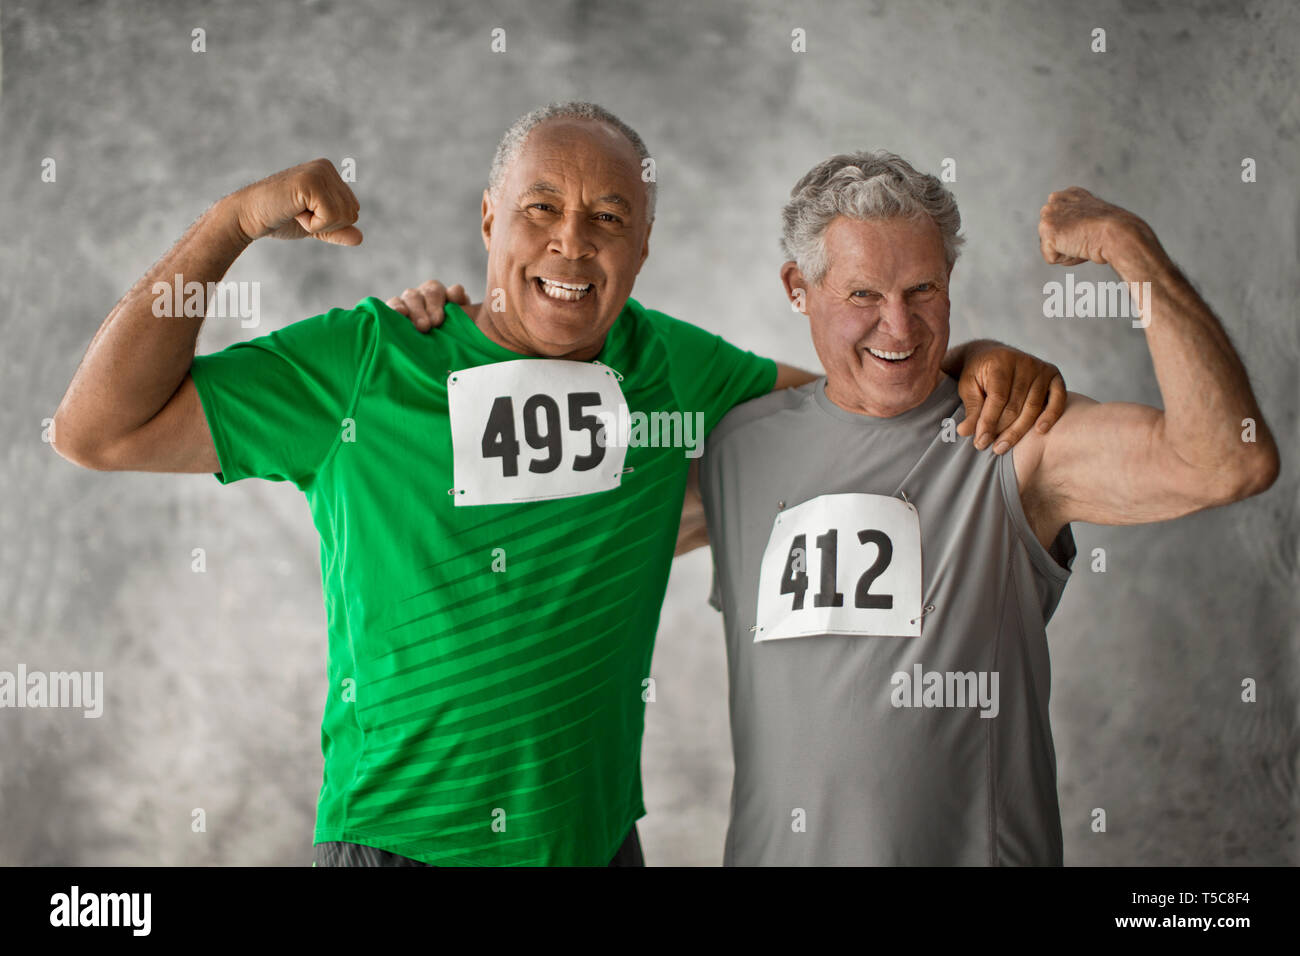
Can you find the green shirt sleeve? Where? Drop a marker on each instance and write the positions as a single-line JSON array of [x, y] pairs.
[[711, 375], [276, 405]]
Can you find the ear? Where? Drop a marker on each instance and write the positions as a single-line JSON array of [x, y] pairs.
[[795, 286], [645, 247], [488, 213]]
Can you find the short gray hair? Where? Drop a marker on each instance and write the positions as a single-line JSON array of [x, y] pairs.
[[513, 140], [863, 185]]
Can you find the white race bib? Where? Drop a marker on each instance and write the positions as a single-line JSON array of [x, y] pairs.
[[531, 429], [842, 564]]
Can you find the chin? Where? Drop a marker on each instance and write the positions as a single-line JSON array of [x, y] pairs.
[[895, 395]]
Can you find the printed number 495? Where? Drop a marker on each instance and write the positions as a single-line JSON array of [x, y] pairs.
[[500, 441]]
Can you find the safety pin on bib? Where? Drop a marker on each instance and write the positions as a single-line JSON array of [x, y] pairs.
[[926, 610], [612, 371]]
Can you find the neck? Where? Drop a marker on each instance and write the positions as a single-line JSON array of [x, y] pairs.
[[503, 328], [851, 400]]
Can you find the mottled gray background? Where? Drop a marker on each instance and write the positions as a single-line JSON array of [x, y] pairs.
[[215, 681]]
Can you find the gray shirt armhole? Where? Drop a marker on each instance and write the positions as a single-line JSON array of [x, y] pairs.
[[1055, 563], [1063, 549]]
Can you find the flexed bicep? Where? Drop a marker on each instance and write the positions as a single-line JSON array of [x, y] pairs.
[[176, 440], [1109, 463]]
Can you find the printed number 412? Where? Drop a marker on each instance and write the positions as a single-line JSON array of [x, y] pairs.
[[794, 579]]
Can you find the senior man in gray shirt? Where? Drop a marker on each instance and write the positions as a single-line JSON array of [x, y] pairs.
[[885, 582]]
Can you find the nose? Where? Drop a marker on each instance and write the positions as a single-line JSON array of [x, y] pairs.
[[895, 318], [571, 237]]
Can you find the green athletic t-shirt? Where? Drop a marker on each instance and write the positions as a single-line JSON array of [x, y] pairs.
[[486, 663]]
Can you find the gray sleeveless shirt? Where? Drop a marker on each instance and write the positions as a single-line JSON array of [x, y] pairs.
[[882, 750]]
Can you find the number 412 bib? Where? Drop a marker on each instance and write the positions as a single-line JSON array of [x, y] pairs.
[[842, 564], [532, 429]]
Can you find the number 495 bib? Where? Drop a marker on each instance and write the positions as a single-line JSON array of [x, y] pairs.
[[842, 564], [531, 429]]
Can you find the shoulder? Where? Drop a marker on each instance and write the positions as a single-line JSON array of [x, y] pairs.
[[747, 416], [1036, 449], [338, 327], [376, 315], [339, 343], [677, 332], [1037, 456], [361, 331], [702, 365]]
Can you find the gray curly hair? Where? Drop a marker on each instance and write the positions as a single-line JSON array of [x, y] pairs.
[[862, 185], [513, 140]]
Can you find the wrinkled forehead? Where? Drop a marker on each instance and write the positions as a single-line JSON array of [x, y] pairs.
[[885, 250], [578, 156]]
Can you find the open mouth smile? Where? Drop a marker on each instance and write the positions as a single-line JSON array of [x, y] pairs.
[[564, 291], [892, 357]]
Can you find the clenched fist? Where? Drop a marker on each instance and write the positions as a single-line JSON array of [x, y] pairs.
[[1075, 226], [310, 199]]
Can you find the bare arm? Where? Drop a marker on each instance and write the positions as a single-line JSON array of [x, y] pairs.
[[1122, 463], [132, 393], [132, 404], [693, 532], [787, 376]]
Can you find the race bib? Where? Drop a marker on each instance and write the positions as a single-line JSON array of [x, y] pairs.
[[531, 429], [842, 564]]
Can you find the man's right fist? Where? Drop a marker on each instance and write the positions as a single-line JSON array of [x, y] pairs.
[[306, 200]]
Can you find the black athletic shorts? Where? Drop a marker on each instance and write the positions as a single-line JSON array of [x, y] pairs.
[[355, 854]]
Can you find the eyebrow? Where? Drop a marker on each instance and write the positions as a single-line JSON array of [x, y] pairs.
[[542, 186], [862, 283]]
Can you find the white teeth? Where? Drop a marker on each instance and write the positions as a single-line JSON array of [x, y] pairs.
[[565, 291], [892, 356]]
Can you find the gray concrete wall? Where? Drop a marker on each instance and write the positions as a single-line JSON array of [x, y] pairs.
[[215, 681]]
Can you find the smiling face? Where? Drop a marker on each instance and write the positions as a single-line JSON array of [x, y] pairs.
[[879, 317], [566, 237]]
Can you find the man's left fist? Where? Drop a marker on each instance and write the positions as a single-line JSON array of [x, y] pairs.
[[1075, 226]]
